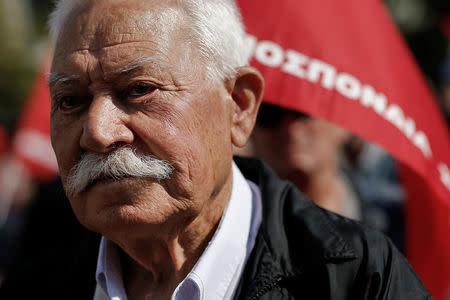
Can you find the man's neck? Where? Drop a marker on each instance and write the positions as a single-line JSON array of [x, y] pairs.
[[153, 266], [139, 283]]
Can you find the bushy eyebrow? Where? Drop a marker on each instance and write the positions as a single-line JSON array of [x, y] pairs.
[[141, 62], [156, 62], [56, 78]]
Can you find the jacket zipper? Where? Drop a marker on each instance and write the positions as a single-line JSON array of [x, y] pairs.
[[266, 288]]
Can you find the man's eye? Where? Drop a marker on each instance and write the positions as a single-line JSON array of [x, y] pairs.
[[67, 103], [140, 90]]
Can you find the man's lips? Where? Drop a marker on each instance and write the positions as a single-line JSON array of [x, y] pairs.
[[111, 179], [106, 179]]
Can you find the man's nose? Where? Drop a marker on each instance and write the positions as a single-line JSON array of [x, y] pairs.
[[105, 126]]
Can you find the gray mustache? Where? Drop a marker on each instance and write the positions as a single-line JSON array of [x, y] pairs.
[[123, 162]]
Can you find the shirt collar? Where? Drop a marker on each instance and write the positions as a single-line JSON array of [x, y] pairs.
[[217, 272], [109, 270]]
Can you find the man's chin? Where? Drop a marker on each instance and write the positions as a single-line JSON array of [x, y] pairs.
[[121, 205], [116, 219]]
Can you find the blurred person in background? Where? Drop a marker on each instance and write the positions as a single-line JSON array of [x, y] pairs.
[[373, 173], [17, 189], [306, 151], [36, 252], [337, 170]]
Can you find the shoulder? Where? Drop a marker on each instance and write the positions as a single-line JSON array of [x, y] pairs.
[[352, 254]]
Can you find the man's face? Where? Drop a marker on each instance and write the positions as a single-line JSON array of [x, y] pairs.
[[131, 78], [295, 144]]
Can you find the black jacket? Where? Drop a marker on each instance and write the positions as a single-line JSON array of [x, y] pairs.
[[305, 252], [301, 252]]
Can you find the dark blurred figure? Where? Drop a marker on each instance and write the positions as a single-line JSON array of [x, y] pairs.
[[306, 151], [16, 191], [373, 173], [336, 170], [52, 243]]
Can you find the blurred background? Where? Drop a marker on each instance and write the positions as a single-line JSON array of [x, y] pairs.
[[23, 31]]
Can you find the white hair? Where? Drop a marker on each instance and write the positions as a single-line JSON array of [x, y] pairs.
[[122, 162], [216, 25]]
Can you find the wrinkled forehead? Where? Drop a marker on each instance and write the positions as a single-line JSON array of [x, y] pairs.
[[103, 23]]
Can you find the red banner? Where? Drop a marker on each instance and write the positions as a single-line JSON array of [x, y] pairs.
[[31, 142], [345, 61]]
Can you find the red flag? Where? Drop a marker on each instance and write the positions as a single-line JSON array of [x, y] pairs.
[[31, 142], [345, 61]]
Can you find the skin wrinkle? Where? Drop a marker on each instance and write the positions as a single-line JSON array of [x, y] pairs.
[[164, 33], [139, 63], [95, 49], [173, 116], [158, 18], [100, 66], [181, 205]]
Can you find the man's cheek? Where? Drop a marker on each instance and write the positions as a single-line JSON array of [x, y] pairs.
[[63, 146]]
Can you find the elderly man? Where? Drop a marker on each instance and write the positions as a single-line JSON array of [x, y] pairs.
[[148, 98]]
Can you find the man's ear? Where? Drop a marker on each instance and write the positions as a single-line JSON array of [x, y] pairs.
[[247, 95]]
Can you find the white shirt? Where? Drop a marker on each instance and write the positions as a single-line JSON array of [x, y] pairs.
[[218, 270]]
